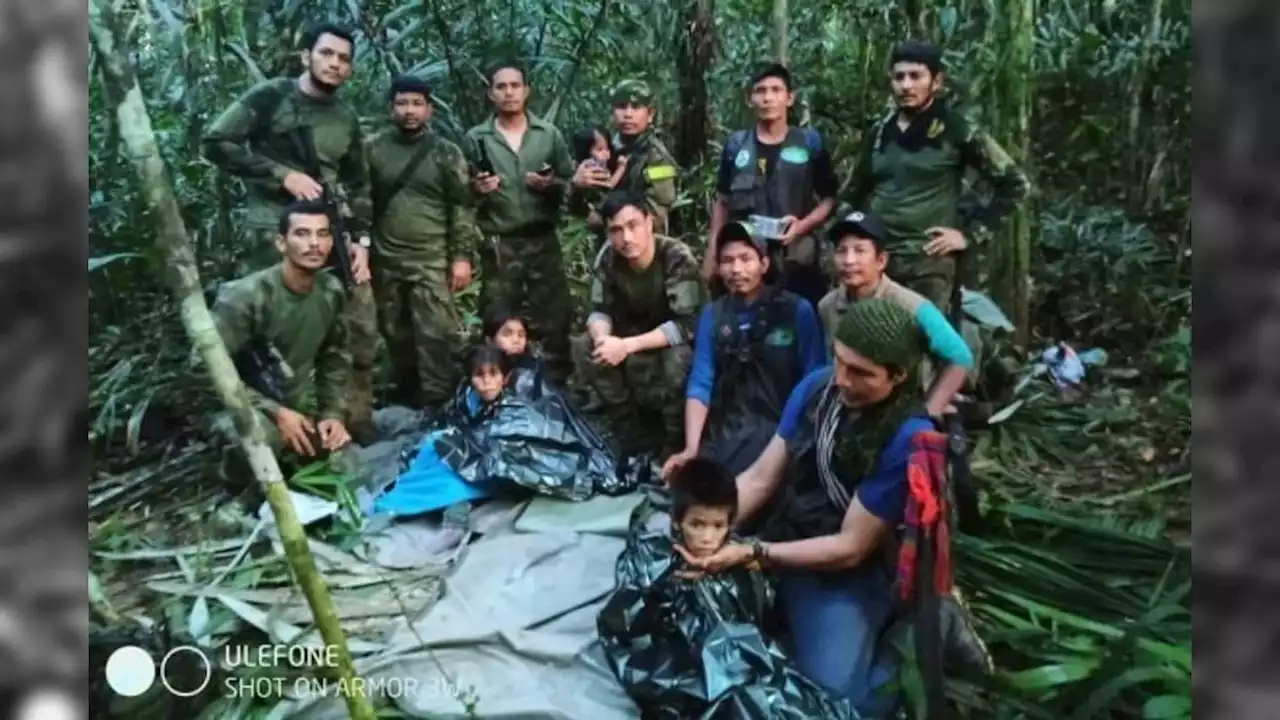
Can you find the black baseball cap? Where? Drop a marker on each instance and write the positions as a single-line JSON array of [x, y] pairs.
[[863, 225], [737, 231]]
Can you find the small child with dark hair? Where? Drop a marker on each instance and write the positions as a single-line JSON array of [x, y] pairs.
[[704, 506], [427, 483], [591, 144], [670, 635], [488, 368], [506, 331], [509, 333]]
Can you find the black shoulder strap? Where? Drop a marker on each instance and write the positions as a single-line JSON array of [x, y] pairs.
[[384, 198]]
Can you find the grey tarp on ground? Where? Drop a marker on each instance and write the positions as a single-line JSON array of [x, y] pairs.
[[516, 624]]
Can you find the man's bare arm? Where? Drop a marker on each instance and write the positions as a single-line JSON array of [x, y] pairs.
[[860, 534]]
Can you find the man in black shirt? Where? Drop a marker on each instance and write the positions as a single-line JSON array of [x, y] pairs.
[[780, 179]]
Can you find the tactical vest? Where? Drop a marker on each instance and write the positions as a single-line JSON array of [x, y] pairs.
[[755, 367], [803, 509], [788, 190]]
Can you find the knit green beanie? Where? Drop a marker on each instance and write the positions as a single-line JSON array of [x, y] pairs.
[[882, 331]]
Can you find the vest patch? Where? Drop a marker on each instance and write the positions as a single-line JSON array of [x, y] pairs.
[[742, 158], [795, 155], [780, 337]]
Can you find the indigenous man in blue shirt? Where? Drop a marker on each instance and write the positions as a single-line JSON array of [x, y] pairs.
[[751, 348], [843, 445]]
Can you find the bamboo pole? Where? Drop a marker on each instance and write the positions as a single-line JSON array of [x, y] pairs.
[[1020, 82], [125, 97]]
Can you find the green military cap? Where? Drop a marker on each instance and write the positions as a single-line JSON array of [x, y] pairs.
[[632, 91]]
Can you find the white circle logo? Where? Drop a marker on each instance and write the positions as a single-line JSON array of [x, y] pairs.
[[208, 671], [130, 671], [857, 217]]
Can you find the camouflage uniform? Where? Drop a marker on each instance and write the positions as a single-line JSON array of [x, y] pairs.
[[521, 261], [251, 141], [310, 336], [421, 231], [646, 391], [651, 169], [912, 180]]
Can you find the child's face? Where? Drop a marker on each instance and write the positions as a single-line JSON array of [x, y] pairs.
[[704, 529], [511, 338], [600, 149], [487, 381]]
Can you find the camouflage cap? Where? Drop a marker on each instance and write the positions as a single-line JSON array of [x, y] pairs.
[[632, 91]]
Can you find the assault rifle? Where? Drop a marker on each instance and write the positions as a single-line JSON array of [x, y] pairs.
[[259, 365], [334, 200]]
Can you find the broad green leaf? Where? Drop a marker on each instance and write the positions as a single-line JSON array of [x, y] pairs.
[[1050, 676], [1167, 707]]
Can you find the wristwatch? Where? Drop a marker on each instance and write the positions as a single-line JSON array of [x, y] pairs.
[[758, 553]]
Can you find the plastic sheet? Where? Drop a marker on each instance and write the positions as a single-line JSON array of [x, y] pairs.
[[695, 648], [533, 437]]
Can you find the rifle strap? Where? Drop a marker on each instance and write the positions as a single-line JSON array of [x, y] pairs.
[[419, 155]]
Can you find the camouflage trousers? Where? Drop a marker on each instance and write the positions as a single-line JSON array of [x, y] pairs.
[[932, 277], [527, 275], [422, 329], [258, 251], [643, 397], [361, 317]]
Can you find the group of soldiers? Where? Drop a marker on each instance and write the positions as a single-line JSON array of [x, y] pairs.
[[419, 215]]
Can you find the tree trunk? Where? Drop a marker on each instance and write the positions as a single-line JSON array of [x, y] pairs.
[[781, 21], [125, 96], [1018, 101], [1137, 97], [697, 54]]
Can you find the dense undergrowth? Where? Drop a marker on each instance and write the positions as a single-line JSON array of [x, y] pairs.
[[1081, 582]]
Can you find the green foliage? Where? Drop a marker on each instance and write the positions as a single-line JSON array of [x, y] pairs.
[[1085, 620]]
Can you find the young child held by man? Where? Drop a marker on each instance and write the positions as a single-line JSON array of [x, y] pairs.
[[591, 143]]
